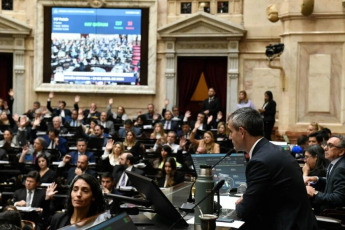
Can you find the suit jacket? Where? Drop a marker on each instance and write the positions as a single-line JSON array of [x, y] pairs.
[[71, 174], [178, 178], [270, 111], [108, 125], [37, 201], [276, 196], [122, 132], [118, 170], [214, 106], [333, 188], [173, 125], [74, 157], [57, 111], [62, 147]]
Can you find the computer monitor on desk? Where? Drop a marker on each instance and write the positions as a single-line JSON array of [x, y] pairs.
[[162, 206], [232, 169]]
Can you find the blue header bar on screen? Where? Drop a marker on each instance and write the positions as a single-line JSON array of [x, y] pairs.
[[96, 21]]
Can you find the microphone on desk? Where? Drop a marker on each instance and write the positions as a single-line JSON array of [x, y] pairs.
[[188, 206], [214, 189]]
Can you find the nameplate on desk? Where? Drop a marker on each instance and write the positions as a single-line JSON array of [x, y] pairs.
[[4, 162], [45, 184]]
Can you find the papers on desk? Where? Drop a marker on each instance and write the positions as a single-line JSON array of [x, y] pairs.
[[235, 224], [4, 162], [26, 209], [45, 184]]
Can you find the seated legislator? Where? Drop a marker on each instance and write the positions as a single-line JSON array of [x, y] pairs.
[[275, 197], [120, 116], [47, 175], [99, 133], [85, 199], [9, 141], [81, 168], [111, 155], [81, 150], [126, 164], [29, 156], [134, 146], [128, 126], [55, 142], [171, 176], [329, 192], [207, 143], [30, 196], [107, 125], [315, 162]]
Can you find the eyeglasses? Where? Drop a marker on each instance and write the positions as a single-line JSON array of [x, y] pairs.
[[330, 145]]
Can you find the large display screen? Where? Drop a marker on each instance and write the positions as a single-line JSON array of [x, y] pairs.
[[96, 46]]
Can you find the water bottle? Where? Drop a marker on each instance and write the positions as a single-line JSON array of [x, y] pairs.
[[203, 186]]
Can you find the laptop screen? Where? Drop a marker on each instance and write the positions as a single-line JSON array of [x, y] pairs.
[[121, 221], [232, 169]]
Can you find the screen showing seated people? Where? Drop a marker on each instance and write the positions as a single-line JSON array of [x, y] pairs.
[[232, 169], [95, 46]]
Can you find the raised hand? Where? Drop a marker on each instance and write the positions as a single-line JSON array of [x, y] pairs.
[[37, 122], [166, 103], [66, 158], [15, 117], [110, 144], [11, 93], [183, 142], [155, 116], [209, 119], [188, 114], [51, 95], [111, 101], [50, 192], [219, 115], [76, 99], [78, 171]]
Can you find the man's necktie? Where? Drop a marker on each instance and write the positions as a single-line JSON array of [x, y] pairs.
[[28, 201], [329, 170]]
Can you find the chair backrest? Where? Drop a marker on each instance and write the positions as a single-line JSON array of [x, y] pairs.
[[27, 224]]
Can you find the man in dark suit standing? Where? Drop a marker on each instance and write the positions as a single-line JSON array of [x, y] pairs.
[[276, 197], [126, 164], [211, 106], [329, 191]]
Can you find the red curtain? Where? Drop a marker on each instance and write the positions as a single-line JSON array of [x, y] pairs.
[[215, 76], [189, 72]]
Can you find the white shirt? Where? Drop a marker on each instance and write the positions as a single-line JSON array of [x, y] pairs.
[[251, 150]]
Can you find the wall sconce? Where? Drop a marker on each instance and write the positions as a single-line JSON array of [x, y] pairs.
[[273, 51]]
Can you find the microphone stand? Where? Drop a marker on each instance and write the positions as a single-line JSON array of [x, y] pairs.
[[215, 189]]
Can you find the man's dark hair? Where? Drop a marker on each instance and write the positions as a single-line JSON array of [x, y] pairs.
[[34, 175], [82, 139], [318, 135], [55, 131], [108, 175], [128, 122], [64, 103], [302, 140], [100, 126], [249, 119], [37, 103], [130, 157]]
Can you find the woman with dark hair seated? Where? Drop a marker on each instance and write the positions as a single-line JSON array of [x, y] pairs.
[[170, 175], [85, 199], [42, 165], [315, 162]]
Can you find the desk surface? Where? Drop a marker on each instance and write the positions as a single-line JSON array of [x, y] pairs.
[[178, 195]]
